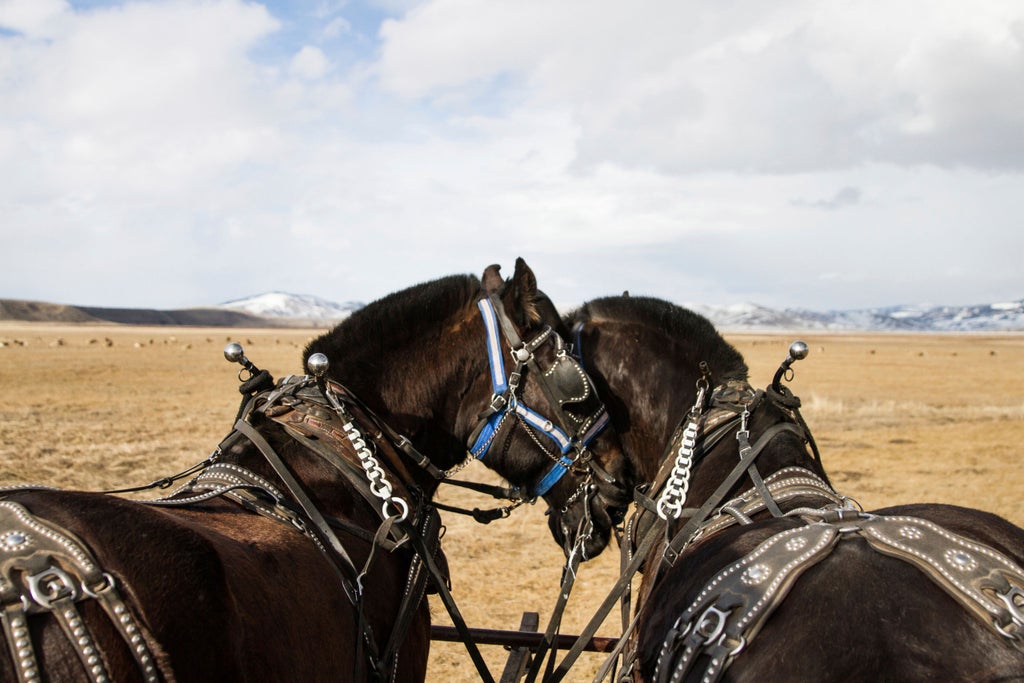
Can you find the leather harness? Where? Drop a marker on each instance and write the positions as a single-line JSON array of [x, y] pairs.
[[734, 605], [45, 568], [326, 418]]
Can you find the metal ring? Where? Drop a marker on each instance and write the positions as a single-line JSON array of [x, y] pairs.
[[397, 503], [381, 488], [108, 584]]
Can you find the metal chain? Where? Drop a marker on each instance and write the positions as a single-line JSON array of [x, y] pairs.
[[379, 485], [449, 473], [673, 496]]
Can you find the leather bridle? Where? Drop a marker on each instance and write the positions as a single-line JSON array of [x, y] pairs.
[[565, 385]]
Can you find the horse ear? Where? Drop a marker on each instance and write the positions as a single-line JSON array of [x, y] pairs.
[[491, 279], [524, 293]]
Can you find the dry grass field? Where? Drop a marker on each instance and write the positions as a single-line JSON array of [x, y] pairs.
[[898, 418]]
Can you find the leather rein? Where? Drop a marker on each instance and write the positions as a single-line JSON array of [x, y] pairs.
[[333, 423]]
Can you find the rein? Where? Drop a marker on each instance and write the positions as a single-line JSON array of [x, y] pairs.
[[316, 424], [327, 419]]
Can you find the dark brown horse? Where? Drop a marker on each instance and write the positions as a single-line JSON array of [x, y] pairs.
[[770, 575], [326, 583]]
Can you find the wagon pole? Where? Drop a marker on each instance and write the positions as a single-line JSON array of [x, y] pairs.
[[522, 644], [487, 636]]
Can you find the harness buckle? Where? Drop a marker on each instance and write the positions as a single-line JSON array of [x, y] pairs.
[[711, 624], [522, 354], [1014, 601], [50, 585], [498, 403]]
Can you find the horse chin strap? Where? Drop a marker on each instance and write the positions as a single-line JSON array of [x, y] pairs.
[[564, 382]]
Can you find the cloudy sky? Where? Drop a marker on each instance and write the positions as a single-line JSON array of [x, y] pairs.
[[820, 154]]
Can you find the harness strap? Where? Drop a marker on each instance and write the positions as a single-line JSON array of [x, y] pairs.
[[19, 642], [755, 476], [346, 568], [444, 592], [46, 568], [983, 580], [683, 536], [733, 606], [554, 623], [646, 545], [783, 485], [415, 589]]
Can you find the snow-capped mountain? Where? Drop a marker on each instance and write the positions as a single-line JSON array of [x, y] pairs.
[[744, 316], [920, 318], [917, 318], [285, 305]]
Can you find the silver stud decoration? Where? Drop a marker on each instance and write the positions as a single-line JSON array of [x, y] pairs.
[[13, 541], [961, 560], [755, 574]]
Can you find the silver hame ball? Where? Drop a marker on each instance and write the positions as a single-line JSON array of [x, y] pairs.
[[798, 350], [234, 352], [317, 364]]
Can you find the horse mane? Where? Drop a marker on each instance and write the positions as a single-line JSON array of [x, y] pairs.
[[677, 322], [357, 345]]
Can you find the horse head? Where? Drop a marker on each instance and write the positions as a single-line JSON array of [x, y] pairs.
[[650, 360], [482, 368], [584, 476]]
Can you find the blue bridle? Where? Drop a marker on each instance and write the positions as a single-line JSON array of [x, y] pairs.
[[504, 401]]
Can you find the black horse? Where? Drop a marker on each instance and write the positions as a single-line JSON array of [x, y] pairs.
[[768, 573], [326, 582]]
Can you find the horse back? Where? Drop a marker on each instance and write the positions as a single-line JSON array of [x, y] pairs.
[[856, 615], [219, 593]]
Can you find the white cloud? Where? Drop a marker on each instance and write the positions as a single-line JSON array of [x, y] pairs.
[[150, 97], [34, 18], [309, 63], [768, 87], [679, 149]]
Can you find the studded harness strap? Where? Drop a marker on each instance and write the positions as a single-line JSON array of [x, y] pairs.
[[45, 568], [735, 604]]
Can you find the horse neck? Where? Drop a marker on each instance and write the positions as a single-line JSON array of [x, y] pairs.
[[421, 389]]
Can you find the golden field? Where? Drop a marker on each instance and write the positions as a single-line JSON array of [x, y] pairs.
[[898, 418]]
